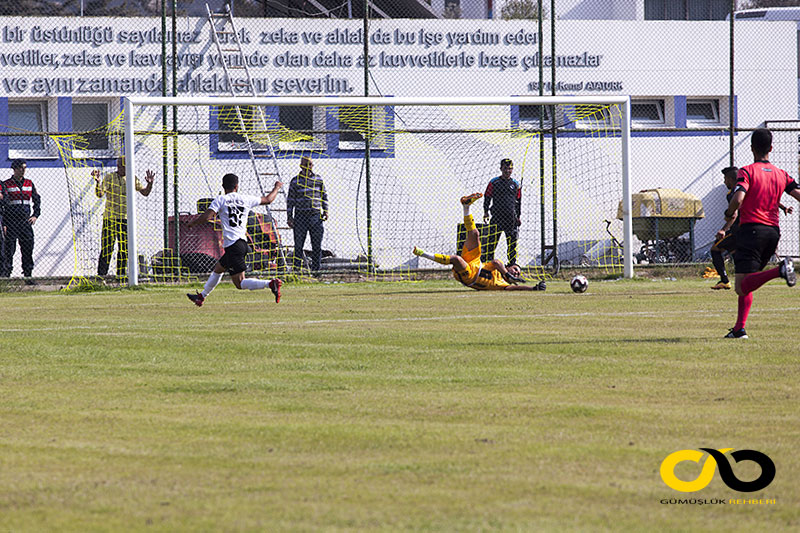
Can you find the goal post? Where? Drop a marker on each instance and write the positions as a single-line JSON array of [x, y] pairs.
[[128, 113], [425, 153]]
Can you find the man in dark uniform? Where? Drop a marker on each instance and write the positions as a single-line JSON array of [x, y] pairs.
[[22, 210], [726, 238], [2, 230], [306, 210], [756, 198], [503, 200]]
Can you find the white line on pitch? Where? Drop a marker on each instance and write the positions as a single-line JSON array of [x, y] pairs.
[[423, 319]]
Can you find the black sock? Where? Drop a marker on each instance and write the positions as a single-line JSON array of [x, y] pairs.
[[719, 264]]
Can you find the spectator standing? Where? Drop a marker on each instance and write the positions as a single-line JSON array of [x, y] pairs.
[[306, 210], [503, 201], [113, 187], [2, 230], [21, 212]]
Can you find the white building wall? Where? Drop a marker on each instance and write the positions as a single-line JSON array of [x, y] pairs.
[[609, 57]]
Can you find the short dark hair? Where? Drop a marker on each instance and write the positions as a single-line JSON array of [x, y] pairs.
[[506, 163], [17, 163], [229, 182], [729, 170], [761, 141]]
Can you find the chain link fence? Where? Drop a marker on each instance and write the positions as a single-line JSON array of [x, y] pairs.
[[697, 84]]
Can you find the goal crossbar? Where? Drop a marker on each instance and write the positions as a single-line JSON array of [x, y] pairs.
[[131, 103]]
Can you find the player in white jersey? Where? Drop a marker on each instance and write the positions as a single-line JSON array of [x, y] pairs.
[[233, 210]]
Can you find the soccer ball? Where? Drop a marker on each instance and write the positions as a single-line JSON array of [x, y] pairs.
[[579, 283]]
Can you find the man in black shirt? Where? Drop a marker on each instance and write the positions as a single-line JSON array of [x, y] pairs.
[[22, 209], [306, 210], [503, 200], [2, 230], [725, 241]]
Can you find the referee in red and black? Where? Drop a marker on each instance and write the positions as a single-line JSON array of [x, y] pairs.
[[756, 197]]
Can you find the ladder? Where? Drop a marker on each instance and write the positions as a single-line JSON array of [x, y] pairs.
[[240, 83]]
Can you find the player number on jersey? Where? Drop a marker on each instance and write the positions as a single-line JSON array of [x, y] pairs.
[[235, 213]]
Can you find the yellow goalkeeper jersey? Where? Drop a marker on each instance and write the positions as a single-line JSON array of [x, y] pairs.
[[113, 188], [479, 276]]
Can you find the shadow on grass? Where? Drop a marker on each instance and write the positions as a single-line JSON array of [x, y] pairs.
[[454, 290]]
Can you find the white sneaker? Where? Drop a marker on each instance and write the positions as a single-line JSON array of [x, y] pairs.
[[787, 272]]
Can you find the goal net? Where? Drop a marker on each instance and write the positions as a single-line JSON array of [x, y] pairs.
[[393, 170]]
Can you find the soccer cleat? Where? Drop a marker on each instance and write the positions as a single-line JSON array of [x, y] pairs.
[[418, 252], [787, 271], [736, 334], [471, 198], [541, 286], [722, 285], [198, 299], [275, 287]]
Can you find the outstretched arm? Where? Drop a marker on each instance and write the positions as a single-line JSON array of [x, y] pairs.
[[510, 277], [268, 199], [731, 212], [99, 190], [734, 205], [487, 202], [37, 205], [205, 217], [795, 193], [324, 202]]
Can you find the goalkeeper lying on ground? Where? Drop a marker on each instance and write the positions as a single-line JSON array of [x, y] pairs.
[[468, 269]]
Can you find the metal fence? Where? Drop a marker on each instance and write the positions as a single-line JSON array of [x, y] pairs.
[[67, 63]]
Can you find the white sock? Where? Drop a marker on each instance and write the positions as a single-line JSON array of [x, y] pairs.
[[213, 281], [426, 255], [254, 284], [466, 209]]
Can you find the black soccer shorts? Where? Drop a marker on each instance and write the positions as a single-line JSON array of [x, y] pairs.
[[233, 258], [755, 246], [728, 242]]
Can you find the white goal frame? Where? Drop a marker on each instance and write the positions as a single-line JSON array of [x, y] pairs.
[[130, 104]]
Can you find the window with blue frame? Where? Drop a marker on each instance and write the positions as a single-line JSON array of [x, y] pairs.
[[686, 9], [240, 124], [535, 116], [91, 119], [702, 112], [284, 127], [302, 127], [337, 131], [648, 113], [593, 116], [358, 123], [28, 116]]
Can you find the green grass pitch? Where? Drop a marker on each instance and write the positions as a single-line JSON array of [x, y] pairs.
[[393, 406]]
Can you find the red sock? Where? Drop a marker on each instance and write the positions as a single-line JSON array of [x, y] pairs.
[[745, 302], [755, 280]]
